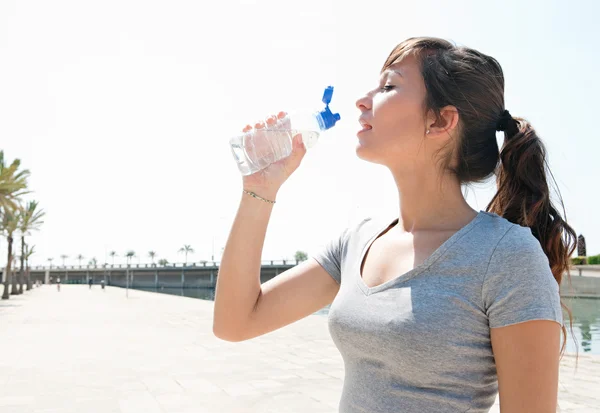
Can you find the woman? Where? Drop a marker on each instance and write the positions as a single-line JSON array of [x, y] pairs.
[[445, 306]]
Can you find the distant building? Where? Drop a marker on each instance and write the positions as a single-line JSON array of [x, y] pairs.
[[581, 250]]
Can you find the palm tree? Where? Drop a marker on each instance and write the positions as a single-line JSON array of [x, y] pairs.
[[152, 254], [113, 254], [186, 249], [64, 257], [9, 225], [93, 262], [29, 251], [129, 255], [30, 219], [163, 262], [50, 261], [15, 279], [13, 183], [79, 258]]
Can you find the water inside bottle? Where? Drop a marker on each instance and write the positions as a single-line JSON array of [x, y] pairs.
[[255, 151]]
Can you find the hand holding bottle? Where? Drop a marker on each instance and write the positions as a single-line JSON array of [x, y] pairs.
[[267, 181]]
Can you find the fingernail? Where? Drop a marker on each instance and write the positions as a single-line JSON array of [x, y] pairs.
[[259, 125], [281, 115]]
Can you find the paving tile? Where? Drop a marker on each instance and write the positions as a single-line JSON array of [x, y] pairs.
[[154, 353]]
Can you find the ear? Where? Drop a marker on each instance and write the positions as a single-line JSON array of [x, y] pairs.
[[446, 124]]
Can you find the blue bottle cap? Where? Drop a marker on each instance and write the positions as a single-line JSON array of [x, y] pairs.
[[327, 118]]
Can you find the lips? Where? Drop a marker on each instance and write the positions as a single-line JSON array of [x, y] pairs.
[[365, 125]]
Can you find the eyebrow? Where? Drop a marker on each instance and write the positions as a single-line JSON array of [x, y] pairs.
[[393, 71]]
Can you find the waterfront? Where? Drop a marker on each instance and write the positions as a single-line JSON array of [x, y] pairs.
[[98, 351], [586, 317]]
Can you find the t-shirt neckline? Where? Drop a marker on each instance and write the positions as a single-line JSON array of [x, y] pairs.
[[419, 268]]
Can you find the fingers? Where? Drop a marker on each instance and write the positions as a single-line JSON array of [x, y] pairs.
[[270, 122]]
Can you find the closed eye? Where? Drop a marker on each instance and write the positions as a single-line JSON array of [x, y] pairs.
[[387, 88]]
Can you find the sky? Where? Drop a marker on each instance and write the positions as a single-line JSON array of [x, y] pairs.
[[122, 111]]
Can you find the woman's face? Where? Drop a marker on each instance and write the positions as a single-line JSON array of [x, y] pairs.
[[393, 120]]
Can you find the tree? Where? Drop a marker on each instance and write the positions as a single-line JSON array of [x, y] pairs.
[[152, 254], [79, 258], [50, 261], [163, 262], [13, 183], [129, 255], [93, 262], [113, 254], [186, 249], [64, 257], [30, 219], [29, 251], [301, 256], [9, 226]]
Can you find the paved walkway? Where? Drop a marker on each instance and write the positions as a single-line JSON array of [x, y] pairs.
[[81, 351]]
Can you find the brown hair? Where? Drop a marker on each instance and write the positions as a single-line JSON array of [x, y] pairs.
[[473, 83]]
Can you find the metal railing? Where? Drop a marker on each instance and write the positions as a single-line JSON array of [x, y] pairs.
[[155, 265], [581, 268]]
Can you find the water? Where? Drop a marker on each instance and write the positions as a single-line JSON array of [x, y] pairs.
[[256, 150], [586, 317], [586, 325]]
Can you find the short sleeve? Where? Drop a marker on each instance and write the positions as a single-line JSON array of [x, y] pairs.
[[331, 256], [519, 285]]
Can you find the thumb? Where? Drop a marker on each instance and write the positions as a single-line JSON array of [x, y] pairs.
[[292, 161], [298, 149]]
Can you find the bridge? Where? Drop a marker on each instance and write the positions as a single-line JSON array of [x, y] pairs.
[[585, 279], [194, 275]]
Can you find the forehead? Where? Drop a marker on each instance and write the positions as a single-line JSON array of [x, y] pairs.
[[406, 66]]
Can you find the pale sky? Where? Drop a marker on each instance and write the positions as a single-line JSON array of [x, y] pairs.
[[122, 110]]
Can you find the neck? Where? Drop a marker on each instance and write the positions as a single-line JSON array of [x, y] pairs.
[[430, 202]]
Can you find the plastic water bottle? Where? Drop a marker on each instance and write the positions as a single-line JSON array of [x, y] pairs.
[[258, 148]]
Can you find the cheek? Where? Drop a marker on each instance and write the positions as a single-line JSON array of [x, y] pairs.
[[397, 132], [398, 117]]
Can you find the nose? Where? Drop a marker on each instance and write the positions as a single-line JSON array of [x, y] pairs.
[[364, 103]]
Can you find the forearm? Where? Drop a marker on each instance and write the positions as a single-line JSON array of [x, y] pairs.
[[238, 281]]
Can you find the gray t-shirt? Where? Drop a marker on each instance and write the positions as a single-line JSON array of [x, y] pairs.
[[421, 342]]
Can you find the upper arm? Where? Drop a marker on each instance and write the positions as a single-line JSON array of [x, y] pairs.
[[289, 297], [522, 303], [527, 363]]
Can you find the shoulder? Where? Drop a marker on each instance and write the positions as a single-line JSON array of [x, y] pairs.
[[357, 233], [518, 256], [501, 236], [512, 240], [518, 283]]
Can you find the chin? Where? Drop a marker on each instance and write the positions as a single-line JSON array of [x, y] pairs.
[[367, 154]]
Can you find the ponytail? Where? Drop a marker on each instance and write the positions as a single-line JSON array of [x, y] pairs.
[[523, 197]]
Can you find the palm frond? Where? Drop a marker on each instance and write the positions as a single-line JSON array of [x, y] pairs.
[[31, 217]]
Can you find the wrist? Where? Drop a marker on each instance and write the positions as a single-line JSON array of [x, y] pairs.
[[261, 195]]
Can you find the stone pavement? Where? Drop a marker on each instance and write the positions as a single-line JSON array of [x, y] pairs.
[[100, 352]]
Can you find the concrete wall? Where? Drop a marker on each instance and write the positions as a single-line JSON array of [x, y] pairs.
[[580, 286]]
